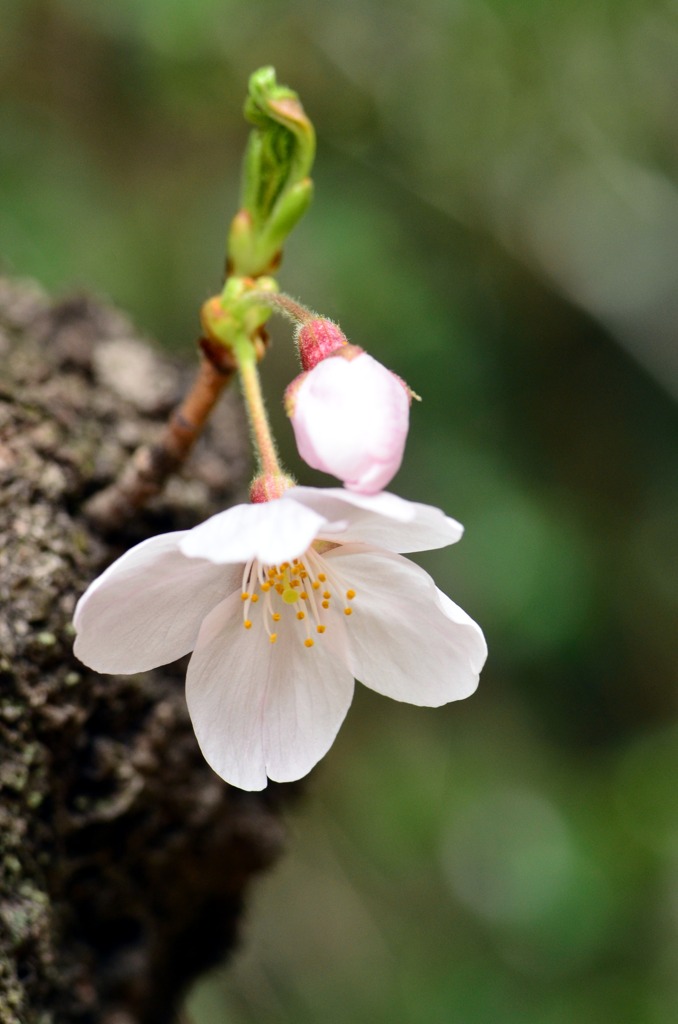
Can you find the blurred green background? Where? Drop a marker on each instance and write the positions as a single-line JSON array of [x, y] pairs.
[[497, 220]]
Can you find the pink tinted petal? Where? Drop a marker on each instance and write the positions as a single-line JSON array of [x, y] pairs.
[[271, 531], [350, 419], [384, 520], [402, 640], [263, 709], [145, 610]]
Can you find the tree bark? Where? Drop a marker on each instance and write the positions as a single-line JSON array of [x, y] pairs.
[[123, 859]]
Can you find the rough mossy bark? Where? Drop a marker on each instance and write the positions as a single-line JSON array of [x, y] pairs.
[[123, 858]]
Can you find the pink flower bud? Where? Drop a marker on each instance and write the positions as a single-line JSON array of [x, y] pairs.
[[350, 417]]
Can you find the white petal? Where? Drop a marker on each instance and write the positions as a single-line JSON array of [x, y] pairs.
[[384, 519], [263, 709], [271, 531], [145, 610], [308, 699], [404, 639], [477, 650], [225, 691]]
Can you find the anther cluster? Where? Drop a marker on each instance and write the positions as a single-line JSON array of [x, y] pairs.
[[304, 591]]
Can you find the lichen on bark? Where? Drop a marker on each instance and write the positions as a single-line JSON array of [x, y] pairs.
[[123, 859]]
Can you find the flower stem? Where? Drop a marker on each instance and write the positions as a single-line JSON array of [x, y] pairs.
[[282, 303], [264, 445]]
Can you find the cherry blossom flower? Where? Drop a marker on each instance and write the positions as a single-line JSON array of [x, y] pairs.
[[350, 417], [283, 604]]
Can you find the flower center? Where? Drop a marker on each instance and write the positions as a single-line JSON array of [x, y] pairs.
[[304, 591]]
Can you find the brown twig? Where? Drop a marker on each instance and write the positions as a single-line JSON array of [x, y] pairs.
[[147, 472]]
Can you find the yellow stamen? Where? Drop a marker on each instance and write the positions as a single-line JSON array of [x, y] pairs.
[[295, 582]]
